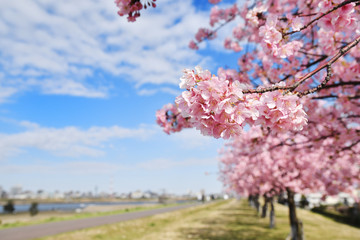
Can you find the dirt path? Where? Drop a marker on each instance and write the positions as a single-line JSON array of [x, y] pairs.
[[42, 230]]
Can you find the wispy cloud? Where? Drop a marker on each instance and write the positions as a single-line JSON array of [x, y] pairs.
[[59, 47], [148, 92], [163, 164], [101, 167], [63, 168], [193, 139], [67, 141]]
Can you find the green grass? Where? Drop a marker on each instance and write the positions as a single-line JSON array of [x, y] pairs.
[[74, 216], [332, 213], [223, 220], [240, 222], [137, 229]]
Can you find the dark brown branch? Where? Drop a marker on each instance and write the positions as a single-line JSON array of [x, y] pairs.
[[350, 116], [313, 54], [341, 53], [327, 64], [350, 146], [323, 83], [323, 57], [336, 96], [350, 83], [232, 17], [322, 15], [325, 97], [263, 90]]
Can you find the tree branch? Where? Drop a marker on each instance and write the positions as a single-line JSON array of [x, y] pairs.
[[327, 65], [350, 83], [323, 83], [341, 53], [322, 15], [352, 145]]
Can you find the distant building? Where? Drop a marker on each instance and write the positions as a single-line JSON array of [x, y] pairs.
[[15, 190], [136, 194], [123, 195], [58, 195], [316, 199], [150, 194], [4, 194]]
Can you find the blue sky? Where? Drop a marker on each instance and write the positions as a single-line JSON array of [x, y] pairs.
[[79, 87]]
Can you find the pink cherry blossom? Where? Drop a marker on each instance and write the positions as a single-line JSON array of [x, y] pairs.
[[296, 24], [170, 119], [297, 141], [132, 8], [214, 1], [216, 105]]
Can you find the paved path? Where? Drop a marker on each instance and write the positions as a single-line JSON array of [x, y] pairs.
[[47, 229]]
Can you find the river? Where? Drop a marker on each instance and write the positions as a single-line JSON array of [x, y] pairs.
[[72, 206]]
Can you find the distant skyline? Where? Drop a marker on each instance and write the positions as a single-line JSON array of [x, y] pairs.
[[18, 192], [79, 87]]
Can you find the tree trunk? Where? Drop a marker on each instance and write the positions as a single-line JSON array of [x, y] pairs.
[[272, 213], [251, 201], [264, 207], [257, 204], [295, 224]]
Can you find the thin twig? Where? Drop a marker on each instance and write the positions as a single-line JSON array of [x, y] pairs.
[[341, 53], [323, 83], [232, 17], [350, 83], [322, 15], [350, 146], [263, 90], [327, 64]]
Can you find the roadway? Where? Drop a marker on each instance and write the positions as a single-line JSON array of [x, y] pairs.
[[53, 228]]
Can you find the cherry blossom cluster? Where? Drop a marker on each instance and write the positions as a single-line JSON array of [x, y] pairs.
[[324, 157], [294, 57], [217, 15], [232, 45], [320, 158], [170, 119], [203, 33], [292, 42], [271, 24], [132, 8], [272, 39], [214, 1], [344, 19], [217, 107]]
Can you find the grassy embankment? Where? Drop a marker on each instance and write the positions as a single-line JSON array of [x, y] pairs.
[[224, 220], [24, 219]]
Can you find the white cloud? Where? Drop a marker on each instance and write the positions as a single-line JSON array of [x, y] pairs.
[[6, 92], [163, 164], [193, 139], [74, 167], [26, 124], [148, 92], [58, 47], [70, 87], [102, 167], [67, 141]]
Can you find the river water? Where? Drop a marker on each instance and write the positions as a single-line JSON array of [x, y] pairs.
[[72, 206]]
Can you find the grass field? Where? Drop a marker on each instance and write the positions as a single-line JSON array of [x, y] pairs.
[[24, 219], [223, 220]]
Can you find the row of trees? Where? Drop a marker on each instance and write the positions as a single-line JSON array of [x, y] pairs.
[[261, 163], [9, 207], [291, 108]]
